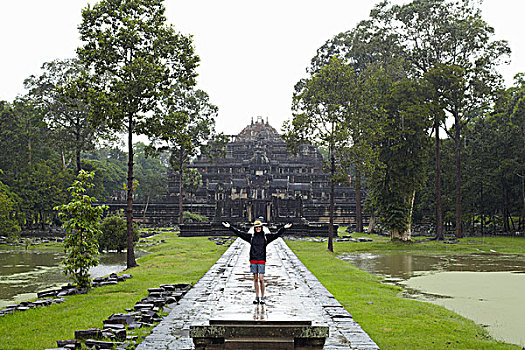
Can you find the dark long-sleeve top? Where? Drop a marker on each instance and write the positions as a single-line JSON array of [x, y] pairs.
[[258, 242]]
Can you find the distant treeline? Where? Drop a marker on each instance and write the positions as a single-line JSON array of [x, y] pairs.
[[410, 103], [38, 166]]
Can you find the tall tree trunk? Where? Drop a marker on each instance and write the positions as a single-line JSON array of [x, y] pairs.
[[129, 210], [439, 206], [371, 223], [358, 211], [29, 151], [332, 203], [180, 196], [79, 166], [481, 209], [522, 176], [407, 236], [78, 152], [63, 157], [145, 208], [459, 219], [395, 234], [523, 196], [41, 220], [506, 226]]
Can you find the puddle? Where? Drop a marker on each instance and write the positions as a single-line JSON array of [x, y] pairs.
[[486, 288], [25, 272]]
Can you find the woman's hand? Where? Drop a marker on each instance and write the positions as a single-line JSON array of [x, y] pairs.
[[287, 226], [226, 224]]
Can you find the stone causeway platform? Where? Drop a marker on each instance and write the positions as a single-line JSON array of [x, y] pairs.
[[226, 293]]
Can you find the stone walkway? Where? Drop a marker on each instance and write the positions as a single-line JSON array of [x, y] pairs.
[[226, 292]]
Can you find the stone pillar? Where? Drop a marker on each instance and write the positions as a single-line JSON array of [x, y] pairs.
[[249, 212]]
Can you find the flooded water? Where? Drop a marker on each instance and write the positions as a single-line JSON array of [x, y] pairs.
[[487, 288], [25, 272]]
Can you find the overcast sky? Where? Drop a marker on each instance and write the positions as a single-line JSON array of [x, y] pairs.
[[252, 52]]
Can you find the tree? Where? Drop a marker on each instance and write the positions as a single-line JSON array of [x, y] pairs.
[[137, 58], [8, 203], [30, 163], [481, 161], [113, 233], [30, 125], [151, 175], [80, 222], [56, 94], [191, 181], [363, 48], [186, 128], [517, 119], [450, 44], [387, 117], [320, 110], [110, 167], [403, 156]]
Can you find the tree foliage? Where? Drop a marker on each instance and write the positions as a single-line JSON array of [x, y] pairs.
[[449, 44], [403, 155], [113, 233], [8, 204], [30, 163], [321, 110], [445, 46], [191, 181], [136, 58], [185, 127], [192, 217], [81, 224], [56, 93]]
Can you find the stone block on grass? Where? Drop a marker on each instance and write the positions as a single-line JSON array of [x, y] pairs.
[[168, 287], [47, 293], [120, 319], [71, 343], [99, 344], [143, 306], [114, 326], [91, 333]]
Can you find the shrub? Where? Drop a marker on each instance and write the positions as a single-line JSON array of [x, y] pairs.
[[113, 233], [188, 217], [8, 203], [80, 222]]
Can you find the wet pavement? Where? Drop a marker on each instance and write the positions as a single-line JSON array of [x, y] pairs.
[[226, 292]]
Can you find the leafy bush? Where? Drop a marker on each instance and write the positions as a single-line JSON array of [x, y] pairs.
[[113, 233], [80, 222], [8, 225], [188, 217]]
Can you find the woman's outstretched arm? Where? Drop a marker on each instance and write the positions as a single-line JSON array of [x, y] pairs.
[[273, 236], [244, 235]]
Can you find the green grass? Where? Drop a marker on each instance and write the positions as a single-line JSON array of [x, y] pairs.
[[180, 260], [391, 321], [466, 245]]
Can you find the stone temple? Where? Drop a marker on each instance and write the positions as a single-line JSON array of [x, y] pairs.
[[259, 178]]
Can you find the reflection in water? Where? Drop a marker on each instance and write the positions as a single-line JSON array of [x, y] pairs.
[[486, 288], [25, 272], [406, 266], [259, 314]]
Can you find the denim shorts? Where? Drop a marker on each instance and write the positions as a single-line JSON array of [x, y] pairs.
[[257, 268]]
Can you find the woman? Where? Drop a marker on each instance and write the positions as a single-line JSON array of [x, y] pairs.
[[258, 242]]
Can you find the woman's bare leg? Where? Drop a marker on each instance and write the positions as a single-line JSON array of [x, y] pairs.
[[261, 286], [256, 283]]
